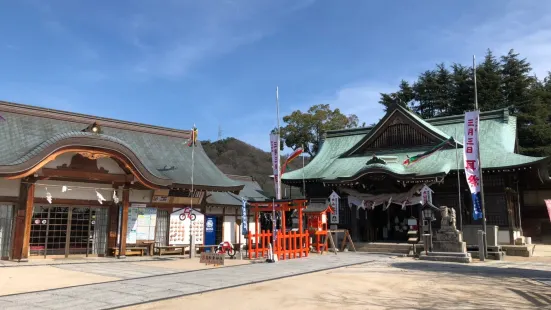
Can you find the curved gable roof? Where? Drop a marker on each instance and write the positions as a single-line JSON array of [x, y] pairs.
[[29, 130]]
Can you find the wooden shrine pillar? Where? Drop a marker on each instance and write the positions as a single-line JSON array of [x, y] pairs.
[[23, 217], [124, 221], [354, 222]]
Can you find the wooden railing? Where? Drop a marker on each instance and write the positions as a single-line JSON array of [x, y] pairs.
[[288, 245]]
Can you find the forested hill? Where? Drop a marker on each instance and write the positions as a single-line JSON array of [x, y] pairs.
[[234, 156], [507, 81]]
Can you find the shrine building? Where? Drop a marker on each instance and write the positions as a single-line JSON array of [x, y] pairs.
[[379, 193], [73, 184]]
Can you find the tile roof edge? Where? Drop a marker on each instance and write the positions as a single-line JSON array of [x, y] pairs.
[[23, 109]]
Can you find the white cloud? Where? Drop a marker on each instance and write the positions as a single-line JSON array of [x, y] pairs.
[[525, 27], [171, 45], [361, 99]]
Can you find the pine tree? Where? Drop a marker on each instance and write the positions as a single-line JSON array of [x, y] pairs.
[[443, 91], [489, 83], [462, 90], [426, 89], [516, 80], [404, 96]]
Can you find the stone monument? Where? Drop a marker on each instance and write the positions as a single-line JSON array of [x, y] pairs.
[[449, 238], [448, 244]]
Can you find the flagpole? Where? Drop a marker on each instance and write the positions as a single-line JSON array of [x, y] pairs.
[[458, 184], [278, 147], [278, 190], [303, 181], [193, 137], [482, 203]]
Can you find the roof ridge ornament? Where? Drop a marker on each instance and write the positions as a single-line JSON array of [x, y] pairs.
[[93, 128], [376, 160]]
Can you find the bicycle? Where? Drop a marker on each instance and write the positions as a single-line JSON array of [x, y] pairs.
[[187, 214], [225, 248]]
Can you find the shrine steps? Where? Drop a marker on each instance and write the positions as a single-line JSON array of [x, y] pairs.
[[447, 257], [382, 247]]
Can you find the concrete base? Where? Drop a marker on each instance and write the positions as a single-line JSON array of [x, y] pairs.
[[121, 256], [491, 255], [518, 250], [447, 257]]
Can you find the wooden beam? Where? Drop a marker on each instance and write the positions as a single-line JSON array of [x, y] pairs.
[[9, 199], [75, 202], [23, 217], [124, 221], [47, 173]]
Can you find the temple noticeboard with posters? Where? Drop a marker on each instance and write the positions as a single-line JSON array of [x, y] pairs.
[[180, 222]]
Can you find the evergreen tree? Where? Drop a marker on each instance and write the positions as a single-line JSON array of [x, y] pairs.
[[516, 80], [489, 83], [504, 83], [404, 96], [534, 129], [424, 94], [462, 91], [443, 90]]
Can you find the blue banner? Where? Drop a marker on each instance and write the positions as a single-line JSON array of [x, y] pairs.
[[477, 210], [210, 230], [244, 218]]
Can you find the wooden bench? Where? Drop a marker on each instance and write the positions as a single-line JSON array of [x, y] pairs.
[[130, 251], [202, 248], [170, 249]]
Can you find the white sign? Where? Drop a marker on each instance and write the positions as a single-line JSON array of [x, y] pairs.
[[334, 203], [426, 194], [274, 147], [179, 229], [471, 159]]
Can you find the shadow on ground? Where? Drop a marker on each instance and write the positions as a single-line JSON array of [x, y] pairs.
[[467, 269]]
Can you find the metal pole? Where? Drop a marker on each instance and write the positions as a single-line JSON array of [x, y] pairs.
[[273, 228], [278, 194], [303, 181], [519, 213], [482, 203], [193, 137], [458, 184]]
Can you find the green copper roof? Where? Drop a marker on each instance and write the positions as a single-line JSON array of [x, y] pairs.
[[497, 138], [251, 191], [23, 135]]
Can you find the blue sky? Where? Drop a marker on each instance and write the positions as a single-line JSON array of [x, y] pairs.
[[217, 63]]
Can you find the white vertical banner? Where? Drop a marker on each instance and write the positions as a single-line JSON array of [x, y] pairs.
[[334, 203], [472, 160], [274, 146]]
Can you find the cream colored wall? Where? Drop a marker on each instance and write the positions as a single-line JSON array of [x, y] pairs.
[[76, 190], [229, 229], [87, 191], [106, 163], [9, 188], [140, 196], [214, 211]]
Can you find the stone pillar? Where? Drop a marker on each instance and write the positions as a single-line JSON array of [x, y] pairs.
[[124, 221], [354, 222], [23, 217]]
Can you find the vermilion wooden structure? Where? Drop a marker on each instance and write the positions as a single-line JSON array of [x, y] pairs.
[[316, 221], [289, 244]]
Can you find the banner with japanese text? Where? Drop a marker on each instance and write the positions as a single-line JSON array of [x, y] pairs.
[[244, 218], [471, 160], [274, 147], [548, 205]]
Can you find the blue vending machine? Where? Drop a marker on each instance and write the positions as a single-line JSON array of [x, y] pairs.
[[210, 231]]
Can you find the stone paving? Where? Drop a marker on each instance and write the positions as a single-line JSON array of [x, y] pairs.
[[97, 260], [172, 284], [123, 271]]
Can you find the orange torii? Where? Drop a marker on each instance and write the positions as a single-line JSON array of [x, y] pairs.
[[289, 243]]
